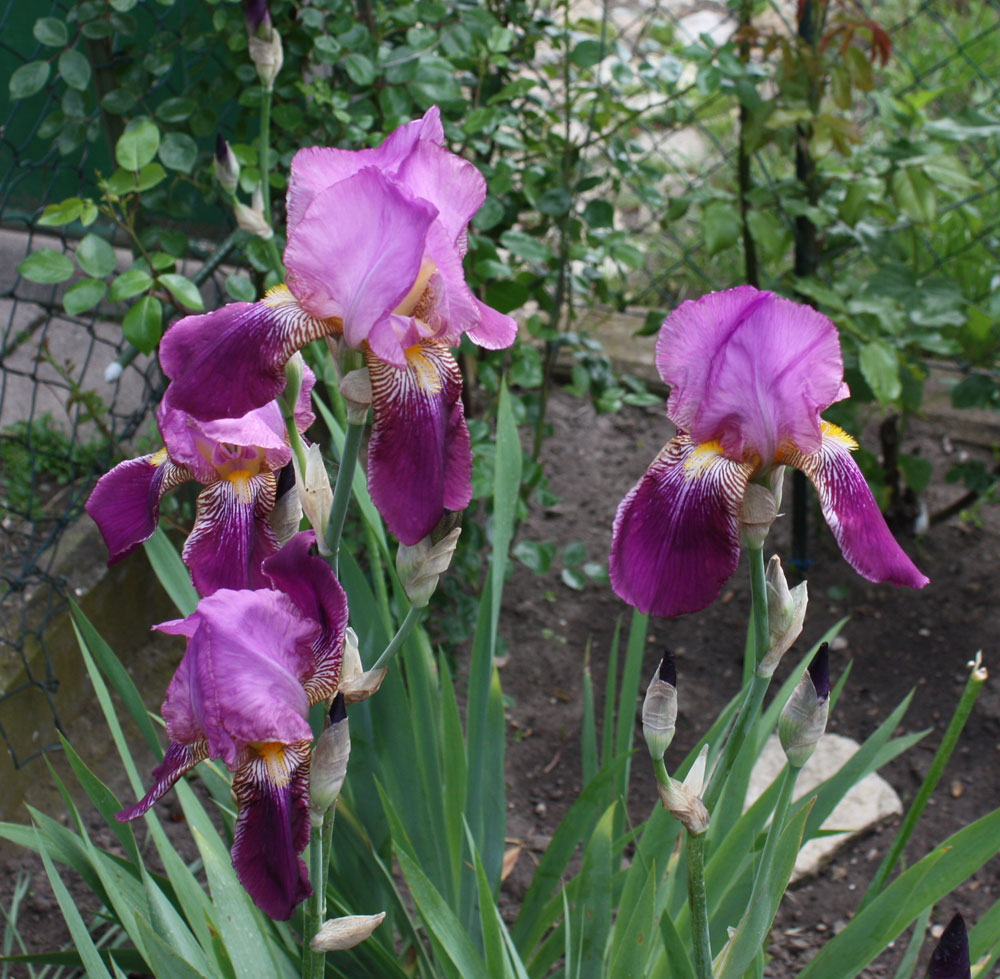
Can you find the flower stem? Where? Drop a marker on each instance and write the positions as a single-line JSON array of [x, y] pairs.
[[699, 905], [312, 962], [972, 687], [758, 684], [342, 490], [402, 633], [263, 163]]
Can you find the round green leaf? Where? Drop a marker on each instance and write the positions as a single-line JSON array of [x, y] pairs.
[[51, 32], [137, 145], [178, 151], [28, 79], [176, 109], [587, 53], [721, 225], [75, 69], [130, 284], [46, 266], [118, 101], [143, 324], [555, 202], [83, 295], [240, 288], [880, 368], [489, 215], [96, 256], [184, 291], [526, 246], [359, 69], [599, 214], [62, 213]]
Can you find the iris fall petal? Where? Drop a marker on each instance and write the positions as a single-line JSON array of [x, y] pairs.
[[851, 512], [178, 759], [420, 454], [676, 536]]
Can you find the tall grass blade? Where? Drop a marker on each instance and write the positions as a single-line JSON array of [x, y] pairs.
[[171, 571]]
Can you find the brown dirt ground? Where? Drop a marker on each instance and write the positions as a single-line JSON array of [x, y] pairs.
[[898, 639]]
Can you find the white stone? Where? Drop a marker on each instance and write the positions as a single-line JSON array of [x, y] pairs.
[[868, 803]]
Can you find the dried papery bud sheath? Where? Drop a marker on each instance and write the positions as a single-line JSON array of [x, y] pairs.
[[287, 513], [340, 933], [225, 165], [950, 960], [356, 683], [356, 387], [683, 799], [786, 612], [659, 709], [421, 565], [803, 719], [328, 768], [757, 512], [315, 493], [252, 219]]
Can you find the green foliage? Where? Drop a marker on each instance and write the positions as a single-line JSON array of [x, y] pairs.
[[31, 452]]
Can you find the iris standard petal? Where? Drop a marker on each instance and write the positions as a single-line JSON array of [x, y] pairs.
[[125, 503], [357, 251], [308, 580], [272, 791], [240, 680], [231, 361], [676, 536], [852, 513], [420, 454], [232, 533], [317, 167], [179, 758], [750, 370]]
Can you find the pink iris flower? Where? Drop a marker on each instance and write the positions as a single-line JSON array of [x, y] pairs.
[[749, 374], [238, 460], [376, 239], [255, 663]]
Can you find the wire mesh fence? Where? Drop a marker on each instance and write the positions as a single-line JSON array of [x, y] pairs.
[[903, 200]]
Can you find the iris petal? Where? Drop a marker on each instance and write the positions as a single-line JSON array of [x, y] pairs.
[[676, 536], [362, 273], [750, 369], [232, 534], [310, 583], [231, 361], [179, 758], [272, 792], [852, 513], [420, 454], [125, 503]]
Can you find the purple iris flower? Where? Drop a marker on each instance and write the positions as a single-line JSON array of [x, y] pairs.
[[376, 239], [255, 663], [237, 459], [749, 374], [950, 959]]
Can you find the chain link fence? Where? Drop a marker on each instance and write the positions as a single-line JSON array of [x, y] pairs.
[[711, 189]]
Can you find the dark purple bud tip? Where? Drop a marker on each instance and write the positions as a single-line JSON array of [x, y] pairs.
[[950, 960], [338, 709], [221, 149], [286, 480], [256, 13], [819, 671], [668, 669]]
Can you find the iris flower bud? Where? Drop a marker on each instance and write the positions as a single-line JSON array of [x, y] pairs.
[[803, 719], [315, 493], [421, 565], [225, 165], [950, 960], [786, 611], [659, 709], [683, 799], [340, 933], [264, 43], [328, 768]]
